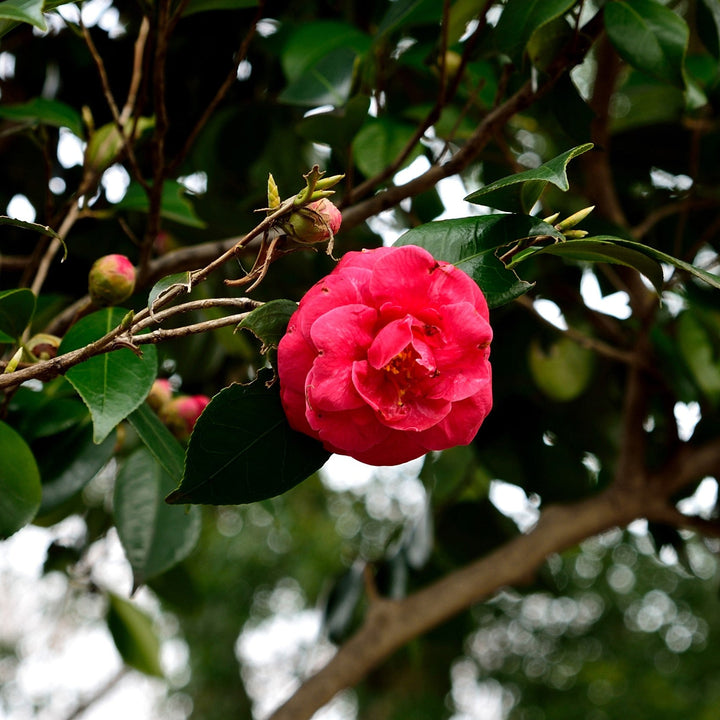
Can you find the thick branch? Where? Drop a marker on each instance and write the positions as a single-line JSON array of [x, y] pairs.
[[391, 624]]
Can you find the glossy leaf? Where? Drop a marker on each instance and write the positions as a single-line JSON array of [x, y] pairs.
[[269, 322], [519, 192], [328, 82], [16, 310], [470, 243], [520, 19], [197, 6], [648, 36], [707, 277], [380, 141], [69, 463], [134, 636], [35, 227], [404, 13], [19, 482], [698, 345], [708, 25], [162, 286], [113, 384], [313, 41], [164, 446], [243, 450], [175, 204], [600, 250], [45, 111], [155, 535], [29, 11], [55, 416]]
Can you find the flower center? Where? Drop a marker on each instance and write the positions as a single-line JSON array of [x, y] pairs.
[[403, 370]]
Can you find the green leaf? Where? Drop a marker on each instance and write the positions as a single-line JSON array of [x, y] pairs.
[[328, 82], [521, 18], [54, 416], [648, 36], [380, 141], [44, 111], [16, 310], [593, 249], [134, 637], [29, 11], [68, 462], [697, 340], [403, 13], [518, 193], [708, 25], [470, 243], [269, 322], [313, 41], [113, 384], [707, 277], [182, 279], [20, 490], [196, 6], [243, 450], [175, 203], [35, 227], [159, 440], [155, 535]]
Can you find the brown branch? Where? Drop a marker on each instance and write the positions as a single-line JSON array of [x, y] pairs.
[[391, 624], [598, 346]]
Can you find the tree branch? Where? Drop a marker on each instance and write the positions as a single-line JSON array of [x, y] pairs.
[[391, 624]]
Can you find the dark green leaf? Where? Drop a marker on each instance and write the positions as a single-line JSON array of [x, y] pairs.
[[403, 13], [708, 25], [328, 82], [19, 482], [181, 279], [36, 227], [55, 416], [470, 243], [69, 462], [380, 141], [649, 36], [596, 250], [45, 111], [175, 203], [521, 18], [243, 450], [699, 273], [29, 11], [16, 311], [196, 6], [113, 384], [155, 535], [159, 440], [518, 193], [695, 341], [134, 636], [269, 322], [313, 41], [342, 602]]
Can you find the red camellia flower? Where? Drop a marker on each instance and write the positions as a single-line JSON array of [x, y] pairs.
[[386, 358]]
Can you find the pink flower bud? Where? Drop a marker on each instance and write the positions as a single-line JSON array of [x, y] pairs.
[[182, 412], [111, 280], [314, 223], [160, 394]]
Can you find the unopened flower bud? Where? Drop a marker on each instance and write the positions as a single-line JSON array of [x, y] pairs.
[[42, 346], [111, 280], [314, 223], [182, 412], [160, 394]]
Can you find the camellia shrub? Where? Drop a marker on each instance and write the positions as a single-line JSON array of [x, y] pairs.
[[209, 341]]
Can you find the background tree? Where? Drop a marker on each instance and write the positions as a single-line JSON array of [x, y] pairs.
[[177, 113]]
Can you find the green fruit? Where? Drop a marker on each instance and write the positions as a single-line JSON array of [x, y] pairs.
[[563, 371]]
